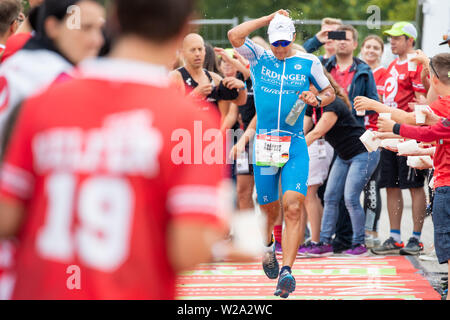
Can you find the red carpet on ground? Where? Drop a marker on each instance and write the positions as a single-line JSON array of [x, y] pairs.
[[330, 278]]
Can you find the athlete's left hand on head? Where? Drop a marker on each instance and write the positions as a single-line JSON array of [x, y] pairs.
[[385, 125], [309, 98]]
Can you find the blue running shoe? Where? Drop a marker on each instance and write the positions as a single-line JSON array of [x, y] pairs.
[[270, 264], [286, 285]]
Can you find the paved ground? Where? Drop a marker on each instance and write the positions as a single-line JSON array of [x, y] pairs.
[[433, 271]]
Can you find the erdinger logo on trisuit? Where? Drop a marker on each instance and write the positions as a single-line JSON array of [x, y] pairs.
[[391, 89], [274, 77], [125, 144]]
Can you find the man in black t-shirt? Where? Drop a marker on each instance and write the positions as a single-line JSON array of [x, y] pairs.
[[194, 80]]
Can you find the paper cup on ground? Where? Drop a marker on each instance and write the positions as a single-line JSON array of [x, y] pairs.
[[408, 147], [361, 113], [385, 116], [420, 116], [370, 142], [412, 66], [390, 143]]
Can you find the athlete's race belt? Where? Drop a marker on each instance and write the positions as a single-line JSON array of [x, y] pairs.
[[272, 150]]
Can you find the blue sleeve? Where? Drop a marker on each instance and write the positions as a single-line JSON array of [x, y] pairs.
[[312, 44], [371, 90]]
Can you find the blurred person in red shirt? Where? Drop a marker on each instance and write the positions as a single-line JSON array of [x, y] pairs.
[[439, 132], [89, 182], [402, 86]]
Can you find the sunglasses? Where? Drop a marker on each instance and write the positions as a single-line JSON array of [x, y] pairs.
[[434, 70], [283, 43]]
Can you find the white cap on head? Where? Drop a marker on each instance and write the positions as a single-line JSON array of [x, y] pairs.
[[281, 28]]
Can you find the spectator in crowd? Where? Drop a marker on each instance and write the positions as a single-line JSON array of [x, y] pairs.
[[401, 88], [439, 132], [210, 63], [352, 74], [162, 218], [232, 63], [56, 46], [372, 49], [321, 156], [321, 39], [10, 19], [206, 86], [349, 174]]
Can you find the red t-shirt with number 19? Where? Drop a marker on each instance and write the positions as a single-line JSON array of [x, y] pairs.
[[92, 162]]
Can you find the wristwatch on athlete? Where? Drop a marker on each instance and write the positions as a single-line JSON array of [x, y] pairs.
[[319, 101]]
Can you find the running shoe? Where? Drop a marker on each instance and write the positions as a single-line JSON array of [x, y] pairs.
[[303, 249], [270, 264], [286, 285], [390, 246], [278, 248], [340, 247], [321, 250], [359, 250], [413, 248]]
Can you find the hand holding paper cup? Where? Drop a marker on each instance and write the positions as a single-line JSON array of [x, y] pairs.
[[407, 147], [385, 124], [412, 66], [390, 143], [370, 141], [420, 115]]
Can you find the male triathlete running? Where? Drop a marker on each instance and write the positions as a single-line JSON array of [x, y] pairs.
[[279, 76]]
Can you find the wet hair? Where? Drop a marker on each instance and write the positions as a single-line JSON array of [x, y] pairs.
[[440, 64], [155, 20], [9, 12], [376, 38]]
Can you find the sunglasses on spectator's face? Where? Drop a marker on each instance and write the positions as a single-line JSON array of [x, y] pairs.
[[283, 43], [434, 70]]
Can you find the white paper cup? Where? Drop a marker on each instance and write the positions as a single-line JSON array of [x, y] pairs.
[[412, 66], [370, 142], [420, 116], [390, 143], [407, 147], [361, 113], [385, 116]]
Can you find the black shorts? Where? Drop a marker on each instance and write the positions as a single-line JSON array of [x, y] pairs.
[[395, 173]]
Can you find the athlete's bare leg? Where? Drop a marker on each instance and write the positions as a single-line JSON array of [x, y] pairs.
[[292, 207]]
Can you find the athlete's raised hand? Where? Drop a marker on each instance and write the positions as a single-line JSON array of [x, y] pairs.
[[281, 11]]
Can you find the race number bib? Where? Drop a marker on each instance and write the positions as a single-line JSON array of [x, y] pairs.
[[272, 150]]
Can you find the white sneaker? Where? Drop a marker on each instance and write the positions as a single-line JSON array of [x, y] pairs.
[[431, 256]]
